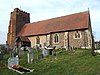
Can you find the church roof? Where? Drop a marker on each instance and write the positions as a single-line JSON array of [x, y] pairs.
[[23, 38], [63, 23]]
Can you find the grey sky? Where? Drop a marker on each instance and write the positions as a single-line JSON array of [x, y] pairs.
[[45, 9]]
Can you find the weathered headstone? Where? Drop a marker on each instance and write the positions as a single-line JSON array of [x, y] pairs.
[[54, 53], [37, 49], [50, 48], [40, 56], [21, 52], [30, 55], [15, 54], [12, 61], [45, 52]]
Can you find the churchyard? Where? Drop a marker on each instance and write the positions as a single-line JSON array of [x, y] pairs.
[[73, 62]]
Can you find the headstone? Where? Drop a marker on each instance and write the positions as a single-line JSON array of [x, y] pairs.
[[15, 54], [40, 56], [30, 55], [27, 48], [21, 52], [16, 50], [1, 56], [50, 48], [54, 53], [12, 61], [37, 49], [10, 51], [45, 52]]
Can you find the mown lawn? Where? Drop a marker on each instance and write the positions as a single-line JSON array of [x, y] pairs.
[[78, 62]]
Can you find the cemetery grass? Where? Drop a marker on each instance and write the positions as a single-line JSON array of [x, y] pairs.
[[78, 62]]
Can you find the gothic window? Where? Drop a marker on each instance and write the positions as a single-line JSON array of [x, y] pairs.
[[37, 40], [77, 35], [56, 38]]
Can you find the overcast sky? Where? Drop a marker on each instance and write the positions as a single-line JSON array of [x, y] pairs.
[[46, 9]]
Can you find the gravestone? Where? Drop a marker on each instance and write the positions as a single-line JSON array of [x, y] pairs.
[[12, 61], [30, 55], [37, 49], [21, 52], [50, 49], [1, 56], [40, 56], [54, 53], [45, 52]]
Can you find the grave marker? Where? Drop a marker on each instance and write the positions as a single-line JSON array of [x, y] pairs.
[[37, 49], [12, 61], [45, 52], [30, 55], [21, 52], [40, 56]]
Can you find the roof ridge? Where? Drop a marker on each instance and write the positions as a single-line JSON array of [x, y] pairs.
[[59, 17]]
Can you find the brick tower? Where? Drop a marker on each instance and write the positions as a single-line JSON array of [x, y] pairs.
[[18, 19]]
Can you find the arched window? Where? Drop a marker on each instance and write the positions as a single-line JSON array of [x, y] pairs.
[[56, 38], [37, 40], [77, 35]]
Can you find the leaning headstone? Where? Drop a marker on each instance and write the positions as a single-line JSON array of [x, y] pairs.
[[30, 55], [12, 61], [40, 56]]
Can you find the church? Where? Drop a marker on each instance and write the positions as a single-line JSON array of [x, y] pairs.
[[72, 30]]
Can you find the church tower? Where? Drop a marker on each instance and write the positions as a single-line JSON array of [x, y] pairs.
[[18, 19]]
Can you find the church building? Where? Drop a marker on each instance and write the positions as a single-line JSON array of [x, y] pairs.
[[66, 31]]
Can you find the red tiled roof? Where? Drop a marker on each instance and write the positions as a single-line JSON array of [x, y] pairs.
[[64, 23], [24, 39]]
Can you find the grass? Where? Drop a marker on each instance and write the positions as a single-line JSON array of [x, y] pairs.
[[78, 62]]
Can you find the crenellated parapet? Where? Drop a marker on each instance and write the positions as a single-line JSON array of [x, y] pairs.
[[19, 10]]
